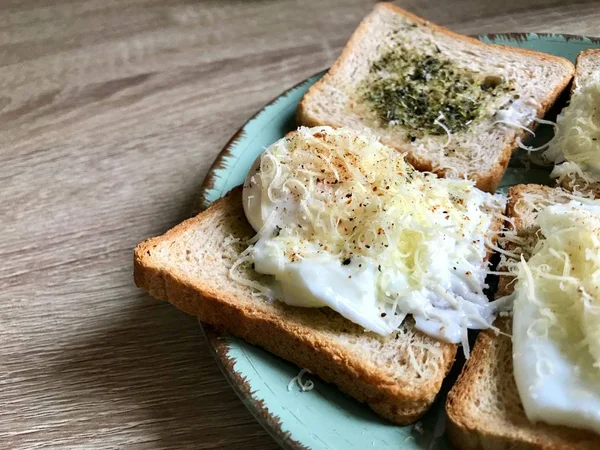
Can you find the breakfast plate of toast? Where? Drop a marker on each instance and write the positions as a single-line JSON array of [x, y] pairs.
[[400, 252]]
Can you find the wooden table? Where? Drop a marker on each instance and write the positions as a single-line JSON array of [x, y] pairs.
[[111, 113]]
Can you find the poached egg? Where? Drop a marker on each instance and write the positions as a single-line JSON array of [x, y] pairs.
[[575, 149], [344, 221], [556, 324]]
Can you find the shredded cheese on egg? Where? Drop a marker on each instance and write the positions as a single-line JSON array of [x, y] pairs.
[[361, 202], [561, 279], [338, 195], [576, 146], [556, 320]]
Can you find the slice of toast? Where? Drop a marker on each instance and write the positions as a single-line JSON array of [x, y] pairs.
[[189, 266], [483, 407], [588, 62], [482, 148]]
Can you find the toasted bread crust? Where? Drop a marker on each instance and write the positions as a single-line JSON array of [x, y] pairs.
[[589, 52], [287, 339], [461, 432], [467, 427], [487, 181]]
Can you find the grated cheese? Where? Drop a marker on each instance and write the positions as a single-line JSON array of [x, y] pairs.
[[332, 205], [576, 147], [556, 324], [503, 113], [304, 386]]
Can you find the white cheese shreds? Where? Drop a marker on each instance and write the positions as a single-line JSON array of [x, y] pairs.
[[530, 148], [306, 385], [556, 320], [562, 278], [575, 148], [439, 123], [506, 113], [344, 221], [514, 125]]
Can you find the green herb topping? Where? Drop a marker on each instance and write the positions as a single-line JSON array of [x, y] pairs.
[[419, 91]]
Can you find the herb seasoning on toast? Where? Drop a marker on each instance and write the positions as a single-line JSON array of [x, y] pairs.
[[419, 90]]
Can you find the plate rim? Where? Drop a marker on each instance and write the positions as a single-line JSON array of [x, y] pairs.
[[215, 339]]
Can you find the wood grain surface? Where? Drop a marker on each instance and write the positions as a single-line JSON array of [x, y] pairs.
[[111, 113]]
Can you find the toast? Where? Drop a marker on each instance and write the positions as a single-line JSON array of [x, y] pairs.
[[189, 267], [483, 407], [588, 63], [398, 375], [465, 140]]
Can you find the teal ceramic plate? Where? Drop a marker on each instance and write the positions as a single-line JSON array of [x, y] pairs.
[[324, 418]]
